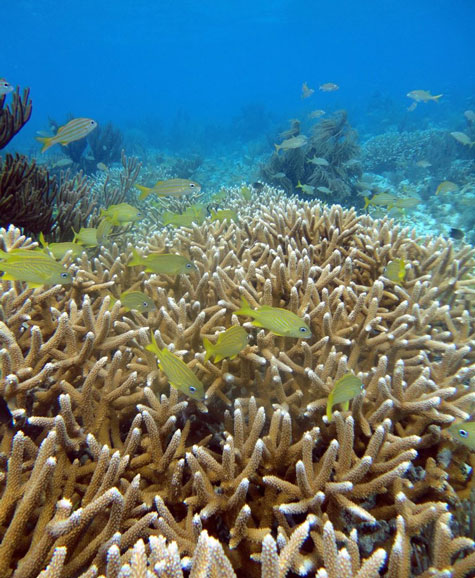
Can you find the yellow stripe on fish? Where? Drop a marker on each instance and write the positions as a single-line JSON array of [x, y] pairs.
[[179, 374], [75, 129]]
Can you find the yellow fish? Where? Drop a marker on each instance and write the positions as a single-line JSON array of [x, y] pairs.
[[464, 432], [193, 214], [121, 214], [381, 200], [246, 193], [228, 344], [165, 263], [294, 142], [224, 214], [395, 271], [137, 300], [462, 138], [179, 374], [328, 87], [423, 96], [86, 236], [277, 320], [344, 390], [36, 269], [75, 129], [446, 187], [307, 189], [170, 188], [59, 250]]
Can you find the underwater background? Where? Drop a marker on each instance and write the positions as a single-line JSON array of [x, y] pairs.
[[170, 171]]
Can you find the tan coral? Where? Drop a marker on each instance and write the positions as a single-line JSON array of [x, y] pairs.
[[235, 476]]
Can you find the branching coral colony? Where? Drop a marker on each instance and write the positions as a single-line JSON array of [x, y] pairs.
[[106, 471]]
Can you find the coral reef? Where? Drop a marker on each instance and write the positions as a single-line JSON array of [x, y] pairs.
[[35, 202], [399, 151], [326, 165], [14, 117], [106, 144], [106, 470]]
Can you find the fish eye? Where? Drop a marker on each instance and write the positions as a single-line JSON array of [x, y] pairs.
[[463, 433], [145, 304], [192, 389], [192, 185], [64, 275], [303, 329], [188, 265]]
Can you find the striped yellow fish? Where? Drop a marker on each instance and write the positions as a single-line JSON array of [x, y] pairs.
[[35, 270], [229, 344], [464, 432], [277, 320], [344, 390], [75, 129], [179, 374], [170, 188]]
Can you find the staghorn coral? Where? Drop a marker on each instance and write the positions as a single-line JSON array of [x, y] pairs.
[[254, 480], [14, 117]]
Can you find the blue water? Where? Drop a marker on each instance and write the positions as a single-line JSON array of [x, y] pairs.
[[149, 66]]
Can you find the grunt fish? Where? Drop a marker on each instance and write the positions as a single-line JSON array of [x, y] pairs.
[[462, 138], [423, 96], [165, 263], [395, 271], [179, 375], [75, 129], [228, 344], [446, 187], [294, 142], [36, 269], [344, 390], [5, 87], [169, 188], [137, 300], [464, 432], [328, 87], [277, 320], [121, 214]]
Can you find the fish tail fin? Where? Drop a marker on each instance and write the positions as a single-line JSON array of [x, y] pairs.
[[245, 308], [209, 348], [46, 140], [145, 192], [136, 259], [153, 346], [75, 240], [299, 185], [366, 203], [277, 148], [42, 239], [437, 96]]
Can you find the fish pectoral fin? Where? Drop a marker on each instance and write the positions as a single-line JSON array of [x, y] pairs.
[[218, 358]]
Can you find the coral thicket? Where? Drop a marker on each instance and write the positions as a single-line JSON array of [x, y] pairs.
[[106, 470]]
